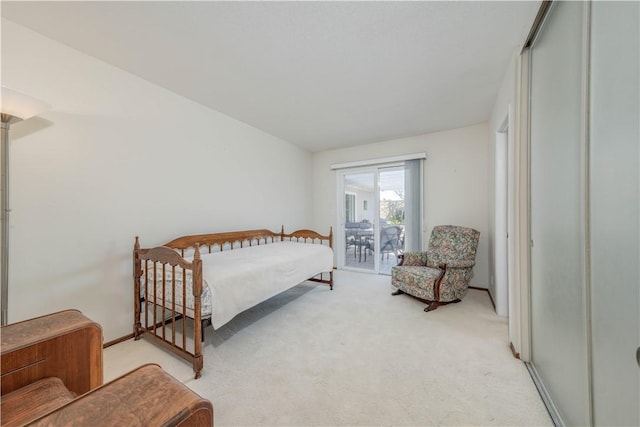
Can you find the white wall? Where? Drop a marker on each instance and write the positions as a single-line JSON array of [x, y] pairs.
[[456, 187], [117, 157]]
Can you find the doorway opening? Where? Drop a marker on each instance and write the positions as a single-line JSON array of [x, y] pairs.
[[503, 289], [501, 232]]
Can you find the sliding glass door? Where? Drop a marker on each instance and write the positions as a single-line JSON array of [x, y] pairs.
[[359, 219], [380, 212], [392, 216]]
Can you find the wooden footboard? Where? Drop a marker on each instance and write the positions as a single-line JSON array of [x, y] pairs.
[[165, 315], [160, 280]]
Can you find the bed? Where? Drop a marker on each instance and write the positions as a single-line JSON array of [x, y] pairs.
[[211, 278]]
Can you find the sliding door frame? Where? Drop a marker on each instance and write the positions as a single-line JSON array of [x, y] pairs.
[[367, 166]]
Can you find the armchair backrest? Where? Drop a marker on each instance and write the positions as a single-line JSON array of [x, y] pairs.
[[451, 243]]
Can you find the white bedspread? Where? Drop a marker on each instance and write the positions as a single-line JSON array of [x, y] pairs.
[[240, 279], [236, 280]]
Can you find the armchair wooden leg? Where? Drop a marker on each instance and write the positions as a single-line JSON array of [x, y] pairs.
[[432, 305], [397, 292]]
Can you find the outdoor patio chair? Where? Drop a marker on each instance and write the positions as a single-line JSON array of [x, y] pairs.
[[389, 241]]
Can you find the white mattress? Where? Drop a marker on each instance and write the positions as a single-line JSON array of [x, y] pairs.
[[235, 280]]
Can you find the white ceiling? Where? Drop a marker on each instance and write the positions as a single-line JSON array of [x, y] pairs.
[[318, 74]]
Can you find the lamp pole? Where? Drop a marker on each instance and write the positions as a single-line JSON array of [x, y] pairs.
[[6, 119], [14, 106]]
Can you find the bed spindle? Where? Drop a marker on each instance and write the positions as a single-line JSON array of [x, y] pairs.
[[136, 288], [164, 293], [173, 304], [146, 294], [155, 296], [196, 276], [184, 308]]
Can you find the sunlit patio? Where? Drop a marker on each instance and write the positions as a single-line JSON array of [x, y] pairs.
[[366, 261]]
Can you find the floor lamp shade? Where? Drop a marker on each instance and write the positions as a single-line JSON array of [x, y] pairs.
[[14, 106], [19, 105]]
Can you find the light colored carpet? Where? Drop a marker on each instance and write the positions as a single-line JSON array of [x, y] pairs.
[[355, 356]]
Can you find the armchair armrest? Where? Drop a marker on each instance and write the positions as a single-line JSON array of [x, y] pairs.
[[459, 264], [66, 345], [418, 259]]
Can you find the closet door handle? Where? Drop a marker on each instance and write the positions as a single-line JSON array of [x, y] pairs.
[[638, 356]]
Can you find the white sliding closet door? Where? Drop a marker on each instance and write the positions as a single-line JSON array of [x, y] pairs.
[[558, 297], [615, 266], [585, 212]]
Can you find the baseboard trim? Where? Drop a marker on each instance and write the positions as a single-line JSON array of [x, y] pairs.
[[513, 351], [118, 340], [485, 289]]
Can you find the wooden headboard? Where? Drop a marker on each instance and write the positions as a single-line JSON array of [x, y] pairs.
[[239, 239]]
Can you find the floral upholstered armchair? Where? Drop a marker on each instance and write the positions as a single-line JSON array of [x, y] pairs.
[[441, 274]]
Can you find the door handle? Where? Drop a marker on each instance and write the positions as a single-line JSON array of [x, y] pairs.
[[638, 356]]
